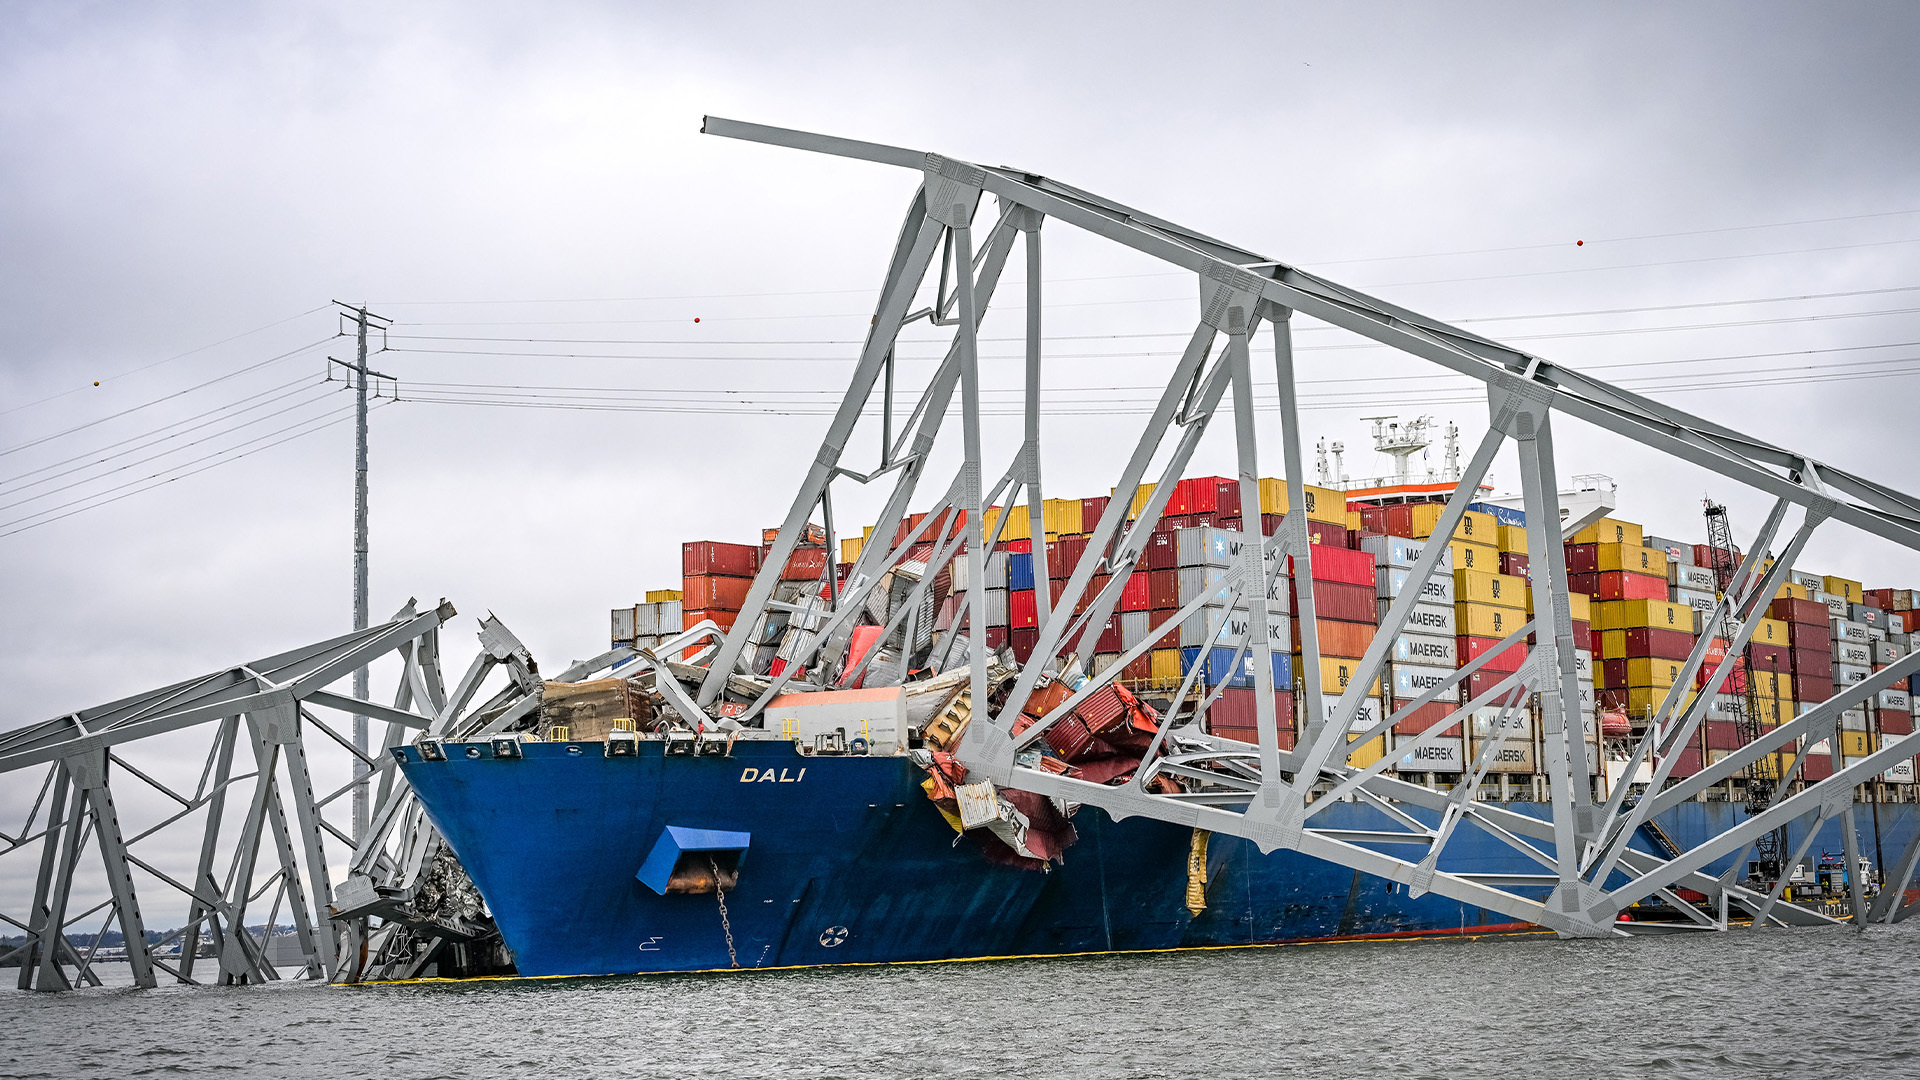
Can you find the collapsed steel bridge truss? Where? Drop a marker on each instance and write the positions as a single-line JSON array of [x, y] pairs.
[[381, 904], [1585, 873]]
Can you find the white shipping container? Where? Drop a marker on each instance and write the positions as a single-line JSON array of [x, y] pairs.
[[1207, 546], [1390, 583], [877, 715], [996, 607], [1401, 553], [1582, 664], [1690, 577], [1886, 652], [1239, 625], [1677, 552], [1900, 773], [1693, 598], [1412, 680], [1444, 754], [1587, 699], [1848, 652], [1433, 619], [1848, 630], [1837, 606], [1872, 616], [1368, 715], [623, 623], [1515, 753], [1423, 649], [1855, 720], [1896, 624], [1103, 661], [1133, 627], [1848, 674], [1813, 583], [1195, 580], [996, 571]]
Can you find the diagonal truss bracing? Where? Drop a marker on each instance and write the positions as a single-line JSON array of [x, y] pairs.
[[1587, 871]]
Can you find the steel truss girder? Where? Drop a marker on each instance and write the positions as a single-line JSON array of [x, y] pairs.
[[261, 706], [1586, 845]]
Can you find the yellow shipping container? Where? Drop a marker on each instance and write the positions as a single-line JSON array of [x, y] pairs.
[[1471, 556], [1770, 632], [1642, 698], [1323, 504], [1498, 590], [1353, 521], [1513, 538], [1626, 614], [662, 596], [1792, 591], [1778, 712], [1850, 591], [1018, 527], [1642, 671], [1475, 527], [1166, 663], [1610, 531], [1061, 516], [1361, 756], [1579, 605], [850, 548], [1632, 558], [1481, 620], [1336, 672], [1856, 744]]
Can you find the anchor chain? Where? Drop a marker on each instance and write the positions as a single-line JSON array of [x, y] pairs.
[[726, 927]]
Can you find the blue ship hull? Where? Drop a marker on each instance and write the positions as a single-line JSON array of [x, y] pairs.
[[848, 862]]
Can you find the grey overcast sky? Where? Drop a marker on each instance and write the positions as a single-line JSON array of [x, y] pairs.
[[185, 187]]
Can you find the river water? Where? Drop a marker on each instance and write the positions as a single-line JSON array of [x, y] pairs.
[[1779, 1003]]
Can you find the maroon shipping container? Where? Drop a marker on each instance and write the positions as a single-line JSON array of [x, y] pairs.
[[1022, 640], [1516, 564], [1090, 512], [1805, 637], [1587, 582], [1374, 519], [1270, 523], [1163, 590], [1473, 648], [1482, 681], [1160, 553], [1068, 737], [1817, 663], [1095, 587], [1626, 585], [1424, 717], [1237, 709], [1327, 535], [1770, 658], [1056, 588], [1134, 596], [1660, 644], [1812, 688], [1895, 723], [1583, 558], [805, 564], [1171, 522], [1226, 498], [1341, 565], [1688, 762], [1064, 554], [710, 557], [1227, 521], [1205, 518], [1345, 603], [996, 637], [1140, 669], [1703, 555], [1802, 612], [1023, 611], [1819, 767], [1583, 636], [712, 591]]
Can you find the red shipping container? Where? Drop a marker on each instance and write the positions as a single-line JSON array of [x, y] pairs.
[[1659, 644], [1736, 680], [1134, 596], [1482, 681], [1236, 710], [1068, 737], [1139, 670], [1625, 585], [1226, 497], [1016, 547], [691, 617], [1341, 565], [1374, 519], [1426, 716], [1880, 598], [1091, 511], [1064, 554], [1703, 555], [1160, 553], [1109, 639], [1196, 495], [1095, 587], [1345, 603], [1583, 636], [805, 564], [1056, 588], [709, 591], [1163, 590], [1516, 564], [1802, 612], [1022, 640], [709, 557], [1323, 534], [1470, 649], [1023, 611], [1270, 523]]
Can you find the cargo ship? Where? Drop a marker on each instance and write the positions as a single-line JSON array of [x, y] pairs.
[[608, 836]]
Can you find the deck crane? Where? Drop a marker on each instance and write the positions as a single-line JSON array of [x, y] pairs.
[[1761, 777]]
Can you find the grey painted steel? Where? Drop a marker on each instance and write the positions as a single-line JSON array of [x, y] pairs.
[[1583, 844]]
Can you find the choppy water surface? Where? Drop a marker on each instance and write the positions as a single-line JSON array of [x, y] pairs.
[[1779, 1003]]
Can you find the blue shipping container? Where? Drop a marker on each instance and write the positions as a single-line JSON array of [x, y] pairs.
[[1220, 667], [1502, 514], [1020, 571]]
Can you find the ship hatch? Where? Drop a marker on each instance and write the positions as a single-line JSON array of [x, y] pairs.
[[694, 860]]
